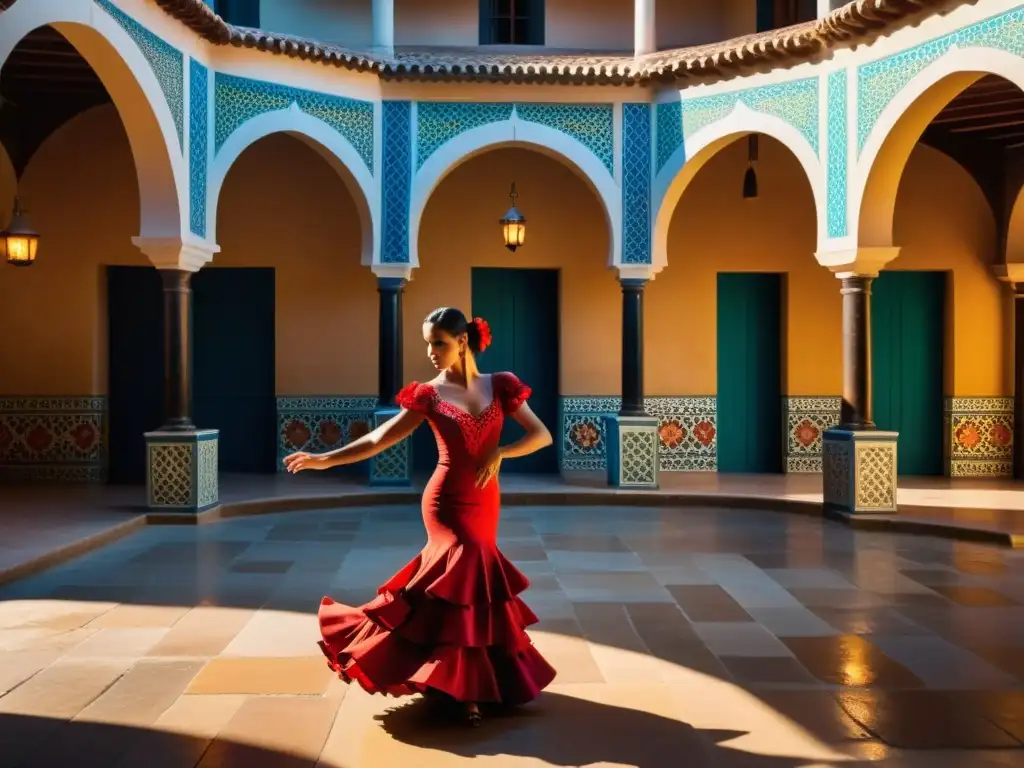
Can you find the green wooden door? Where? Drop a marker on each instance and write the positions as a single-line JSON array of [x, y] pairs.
[[521, 306], [135, 368], [233, 364], [907, 331], [749, 372]]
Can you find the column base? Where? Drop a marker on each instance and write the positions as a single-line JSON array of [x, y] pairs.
[[859, 470], [392, 467], [181, 470], [632, 451]]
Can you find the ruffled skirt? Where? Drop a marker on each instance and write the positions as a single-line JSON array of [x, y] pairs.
[[451, 620]]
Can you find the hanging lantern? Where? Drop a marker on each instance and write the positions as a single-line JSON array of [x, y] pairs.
[[513, 225], [19, 241]]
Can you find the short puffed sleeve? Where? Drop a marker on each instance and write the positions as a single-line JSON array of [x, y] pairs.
[[414, 397], [512, 391]]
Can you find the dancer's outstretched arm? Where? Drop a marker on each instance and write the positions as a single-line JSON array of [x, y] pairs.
[[537, 436], [383, 437]]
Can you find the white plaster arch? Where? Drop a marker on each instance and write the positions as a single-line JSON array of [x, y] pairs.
[[512, 133], [126, 74], [327, 142], [874, 180], [703, 145]]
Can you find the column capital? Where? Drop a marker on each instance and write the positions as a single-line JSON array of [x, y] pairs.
[[189, 254], [636, 272], [1010, 273], [857, 262], [392, 271]]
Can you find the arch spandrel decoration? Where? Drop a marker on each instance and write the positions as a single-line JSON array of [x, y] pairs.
[[879, 82], [198, 144], [592, 125], [239, 99], [836, 209], [168, 63]]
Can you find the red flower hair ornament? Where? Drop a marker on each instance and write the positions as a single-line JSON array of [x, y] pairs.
[[483, 331]]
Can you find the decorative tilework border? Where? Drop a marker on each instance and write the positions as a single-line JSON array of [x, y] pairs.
[[438, 122], [396, 182], [168, 63], [838, 152], [320, 423], [198, 129], [805, 421], [668, 121], [636, 183], [795, 102], [239, 99], [979, 434], [53, 439], [879, 82]]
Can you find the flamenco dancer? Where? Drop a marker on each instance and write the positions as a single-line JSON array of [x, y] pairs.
[[451, 623]]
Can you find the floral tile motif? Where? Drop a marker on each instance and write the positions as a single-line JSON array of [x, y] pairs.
[[878, 82], [319, 424], [168, 63], [239, 99], [687, 432], [805, 420], [53, 439], [979, 436]]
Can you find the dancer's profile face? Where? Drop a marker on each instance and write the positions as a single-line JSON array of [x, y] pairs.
[[442, 347]]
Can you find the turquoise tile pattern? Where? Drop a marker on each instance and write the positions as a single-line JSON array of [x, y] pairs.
[[396, 181], [636, 183], [668, 121], [198, 145], [838, 152]]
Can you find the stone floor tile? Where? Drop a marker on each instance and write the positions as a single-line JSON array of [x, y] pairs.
[[588, 562], [203, 631], [519, 553], [143, 694], [708, 603], [275, 676], [973, 596], [766, 669], [18, 666], [850, 660], [65, 688], [139, 617], [792, 622], [942, 665], [277, 633], [736, 639], [814, 578], [131, 642], [582, 543], [868, 621]]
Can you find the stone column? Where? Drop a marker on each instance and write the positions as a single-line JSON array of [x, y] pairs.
[[644, 36], [393, 466], [632, 434], [181, 465], [383, 27], [858, 460]]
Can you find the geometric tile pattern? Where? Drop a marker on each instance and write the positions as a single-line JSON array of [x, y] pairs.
[[198, 125], [837, 154], [806, 419], [181, 470], [396, 181], [393, 466], [636, 183], [319, 424], [668, 120], [686, 432], [860, 470], [979, 436], [239, 99], [795, 102], [879, 81], [53, 439], [632, 451], [167, 62], [438, 122]]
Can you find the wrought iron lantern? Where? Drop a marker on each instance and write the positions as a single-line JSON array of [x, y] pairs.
[[19, 242], [513, 225]]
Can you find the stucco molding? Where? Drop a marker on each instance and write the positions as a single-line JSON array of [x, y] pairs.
[[187, 253]]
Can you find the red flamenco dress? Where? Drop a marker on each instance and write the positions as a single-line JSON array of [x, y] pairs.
[[451, 620]]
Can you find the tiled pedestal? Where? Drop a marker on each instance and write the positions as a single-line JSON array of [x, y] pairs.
[[632, 451], [181, 470], [393, 466], [860, 470]]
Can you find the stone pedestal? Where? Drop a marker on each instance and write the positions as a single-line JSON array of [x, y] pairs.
[[859, 470], [181, 470], [393, 466], [632, 451]]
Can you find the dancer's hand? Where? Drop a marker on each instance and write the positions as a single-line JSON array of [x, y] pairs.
[[301, 460], [488, 468]]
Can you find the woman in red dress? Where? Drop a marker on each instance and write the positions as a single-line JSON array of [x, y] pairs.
[[451, 621]]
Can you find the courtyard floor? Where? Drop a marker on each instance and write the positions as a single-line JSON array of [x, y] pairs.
[[683, 636]]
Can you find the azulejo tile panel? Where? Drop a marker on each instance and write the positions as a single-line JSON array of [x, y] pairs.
[[53, 439], [393, 466], [396, 182], [168, 63], [438, 122], [687, 432], [636, 183], [860, 470], [668, 121], [878, 82], [795, 102], [592, 125], [318, 424], [198, 131], [181, 470], [979, 436], [806, 419], [838, 154], [239, 99]]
